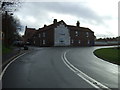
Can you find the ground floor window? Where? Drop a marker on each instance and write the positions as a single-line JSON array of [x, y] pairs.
[[43, 41], [34, 42], [79, 41], [72, 41], [88, 41]]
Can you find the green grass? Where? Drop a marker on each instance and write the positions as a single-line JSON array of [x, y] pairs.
[[6, 50], [110, 54]]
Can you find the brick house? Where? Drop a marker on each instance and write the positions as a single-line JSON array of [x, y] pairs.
[[61, 34], [29, 32]]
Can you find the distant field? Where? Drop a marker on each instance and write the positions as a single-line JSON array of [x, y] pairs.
[[109, 54]]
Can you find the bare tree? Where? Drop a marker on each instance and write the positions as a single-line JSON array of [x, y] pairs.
[[9, 23], [10, 5]]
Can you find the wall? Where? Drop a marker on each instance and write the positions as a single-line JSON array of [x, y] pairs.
[[106, 43], [61, 36]]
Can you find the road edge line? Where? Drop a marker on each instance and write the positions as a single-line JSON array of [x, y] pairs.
[[83, 75], [2, 73]]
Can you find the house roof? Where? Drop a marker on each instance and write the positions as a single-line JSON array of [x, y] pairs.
[[33, 31], [79, 28], [52, 26], [30, 30]]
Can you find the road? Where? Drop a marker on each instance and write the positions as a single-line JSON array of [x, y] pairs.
[[60, 67]]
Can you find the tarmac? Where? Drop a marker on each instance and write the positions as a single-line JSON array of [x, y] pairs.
[[6, 58]]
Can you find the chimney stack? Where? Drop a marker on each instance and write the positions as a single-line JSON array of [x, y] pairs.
[[25, 27], [55, 21], [45, 25], [78, 24]]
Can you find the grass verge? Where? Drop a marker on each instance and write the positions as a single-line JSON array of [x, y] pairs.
[[109, 54], [6, 50]]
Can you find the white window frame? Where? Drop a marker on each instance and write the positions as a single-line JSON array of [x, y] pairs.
[[72, 41], [61, 39], [43, 42], [43, 34], [87, 34], [34, 42], [61, 32], [88, 42], [76, 33]]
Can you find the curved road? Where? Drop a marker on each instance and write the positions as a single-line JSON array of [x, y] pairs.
[[48, 68]]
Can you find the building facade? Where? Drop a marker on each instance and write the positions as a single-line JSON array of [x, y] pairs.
[[60, 34]]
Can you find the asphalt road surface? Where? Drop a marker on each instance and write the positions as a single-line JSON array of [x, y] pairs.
[[61, 67]]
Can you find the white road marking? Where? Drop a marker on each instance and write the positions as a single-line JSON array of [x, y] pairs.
[[85, 77], [1, 75]]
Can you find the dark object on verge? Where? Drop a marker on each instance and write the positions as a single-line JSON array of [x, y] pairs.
[[18, 43], [25, 48]]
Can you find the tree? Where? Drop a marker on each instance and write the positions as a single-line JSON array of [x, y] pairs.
[[9, 23], [10, 29], [10, 5]]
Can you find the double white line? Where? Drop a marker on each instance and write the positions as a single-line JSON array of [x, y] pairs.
[[85, 77]]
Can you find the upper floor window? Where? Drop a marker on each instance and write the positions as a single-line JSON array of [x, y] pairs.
[[87, 34], [28, 34], [43, 34], [62, 32], [76, 33]]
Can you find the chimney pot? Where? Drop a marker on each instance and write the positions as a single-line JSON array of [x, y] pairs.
[[55, 21], [45, 25], [78, 24]]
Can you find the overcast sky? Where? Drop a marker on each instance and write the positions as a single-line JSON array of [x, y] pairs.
[[101, 16]]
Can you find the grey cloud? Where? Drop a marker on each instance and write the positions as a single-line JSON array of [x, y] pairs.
[[80, 10], [40, 11]]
